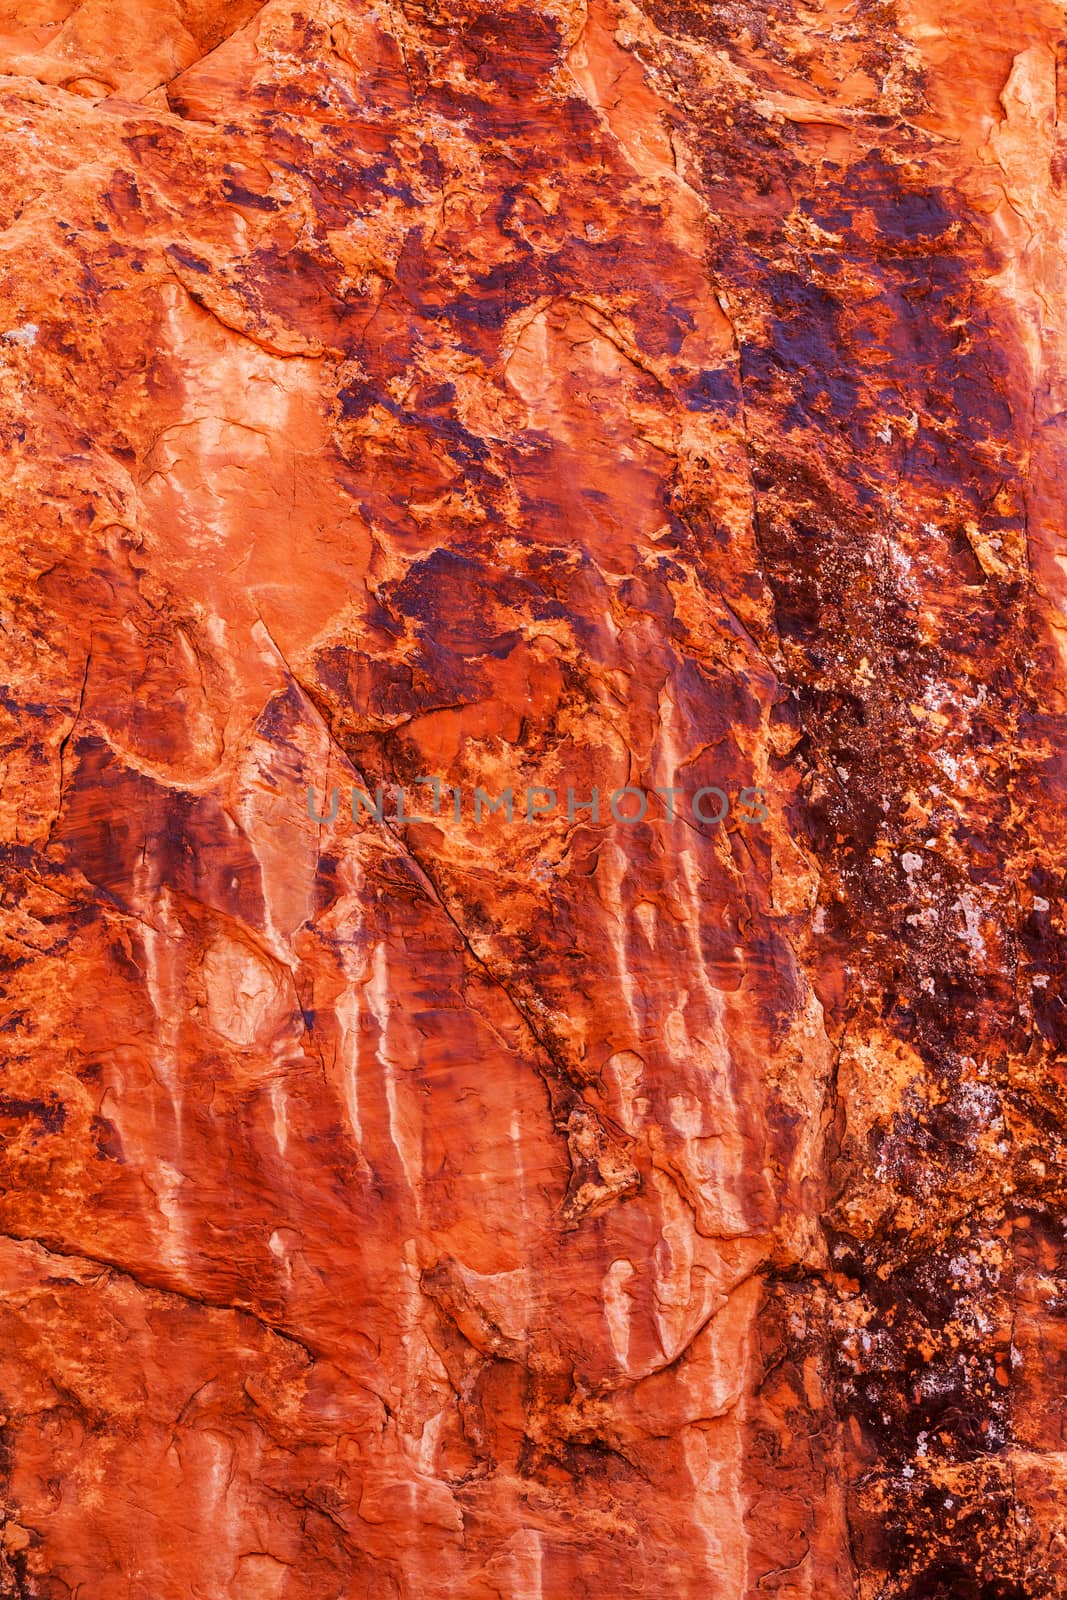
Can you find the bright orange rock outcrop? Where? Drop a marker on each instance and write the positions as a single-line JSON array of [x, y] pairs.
[[665, 397]]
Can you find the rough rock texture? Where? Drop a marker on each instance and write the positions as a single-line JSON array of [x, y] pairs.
[[667, 393]]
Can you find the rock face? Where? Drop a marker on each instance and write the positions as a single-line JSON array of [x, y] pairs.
[[665, 397]]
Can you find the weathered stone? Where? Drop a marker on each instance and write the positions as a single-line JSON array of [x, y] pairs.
[[665, 398]]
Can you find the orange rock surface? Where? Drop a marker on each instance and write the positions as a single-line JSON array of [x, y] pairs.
[[666, 396]]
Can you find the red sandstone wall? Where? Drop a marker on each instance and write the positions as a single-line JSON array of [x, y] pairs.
[[603, 394]]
